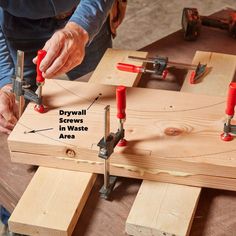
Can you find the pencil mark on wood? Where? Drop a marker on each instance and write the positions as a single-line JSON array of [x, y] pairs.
[[163, 111]]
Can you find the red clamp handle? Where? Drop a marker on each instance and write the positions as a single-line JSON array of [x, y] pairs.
[[231, 101], [233, 17], [41, 55], [129, 68], [164, 74], [192, 77], [121, 102]]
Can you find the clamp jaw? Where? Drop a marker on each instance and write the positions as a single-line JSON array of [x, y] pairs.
[[107, 147], [19, 86], [110, 140], [230, 129], [21, 89], [160, 64]]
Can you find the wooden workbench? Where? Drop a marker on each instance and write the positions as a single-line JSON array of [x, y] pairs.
[[216, 210]]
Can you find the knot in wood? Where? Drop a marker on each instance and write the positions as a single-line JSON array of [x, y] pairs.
[[70, 153], [171, 131]]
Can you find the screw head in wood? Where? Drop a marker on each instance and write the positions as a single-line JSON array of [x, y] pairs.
[[70, 153]]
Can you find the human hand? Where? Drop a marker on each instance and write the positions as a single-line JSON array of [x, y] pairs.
[[65, 50], [8, 110]]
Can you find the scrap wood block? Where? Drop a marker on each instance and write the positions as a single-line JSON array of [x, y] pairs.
[[41, 211], [162, 209], [221, 71], [158, 122], [106, 72]]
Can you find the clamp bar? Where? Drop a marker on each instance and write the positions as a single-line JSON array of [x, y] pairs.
[[161, 63], [19, 78], [154, 60], [106, 134]]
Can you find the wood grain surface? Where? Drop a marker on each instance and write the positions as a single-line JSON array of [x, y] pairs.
[[173, 218], [106, 72], [44, 210], [191, 124], [160, 209]]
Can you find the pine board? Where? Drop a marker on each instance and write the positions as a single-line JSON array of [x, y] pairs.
[[197, 122]]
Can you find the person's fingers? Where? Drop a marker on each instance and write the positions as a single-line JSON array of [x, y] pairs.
[[13, 120], [66, 67], [5, 124], [13, 99], [16, 111], [6, 112], [60, 62], [6, 108], [66, 43], [53, 48], [4, 130], [10, 122], [35, 60]]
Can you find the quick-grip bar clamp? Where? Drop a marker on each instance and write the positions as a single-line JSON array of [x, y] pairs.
[[230, 110]]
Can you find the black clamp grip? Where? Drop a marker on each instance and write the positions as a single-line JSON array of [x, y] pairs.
[[107, 148], [17, 87], [32, 96], [20, 88], [160, 64]]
